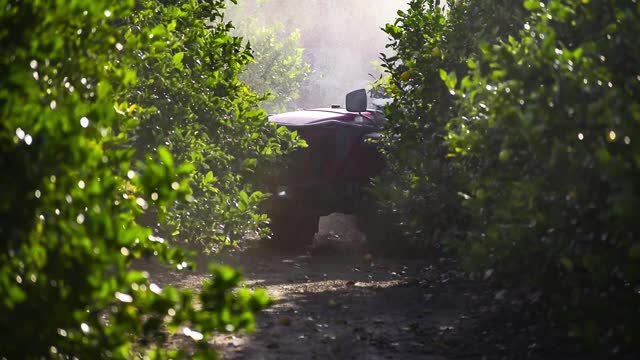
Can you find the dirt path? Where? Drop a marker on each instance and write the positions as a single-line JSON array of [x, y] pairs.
[[353, 306], [342, 307], [337, 306]]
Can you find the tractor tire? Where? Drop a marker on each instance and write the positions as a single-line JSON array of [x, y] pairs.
[[292, 230]]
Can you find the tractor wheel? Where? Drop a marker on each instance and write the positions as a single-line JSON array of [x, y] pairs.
[[292, 230]]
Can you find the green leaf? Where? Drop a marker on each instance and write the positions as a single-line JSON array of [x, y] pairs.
[[532, 4], [165, 156], [450, 79], [185, 168], [177, 60], [443, 75], [209, 178], [172, 25], [244, 197]]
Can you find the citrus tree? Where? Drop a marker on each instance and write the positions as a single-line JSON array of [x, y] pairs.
[[277, 70], [427, 40], [513, 133], [72, 92], [546, 138], [194, 104]]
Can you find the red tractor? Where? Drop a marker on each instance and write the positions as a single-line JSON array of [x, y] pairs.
[[332, 174]]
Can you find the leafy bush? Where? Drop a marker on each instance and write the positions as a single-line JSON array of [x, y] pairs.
[[70, 188], [278, 69], [198, 108], [424, 190], [547, 138], [518, 130]]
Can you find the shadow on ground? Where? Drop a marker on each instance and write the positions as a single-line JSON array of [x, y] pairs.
[[345, 307], [354, 306]]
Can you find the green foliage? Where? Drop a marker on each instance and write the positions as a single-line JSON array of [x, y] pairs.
[[71, 188], [198, 108], [547, 140], [278, 69], [430, 46], [524, 141]]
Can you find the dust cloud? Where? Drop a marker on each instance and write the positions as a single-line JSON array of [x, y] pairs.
[[342, 41]]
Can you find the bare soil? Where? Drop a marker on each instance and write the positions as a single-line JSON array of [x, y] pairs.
[[334, 304]]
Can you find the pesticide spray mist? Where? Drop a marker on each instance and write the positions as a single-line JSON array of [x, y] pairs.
[[342, 41]]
